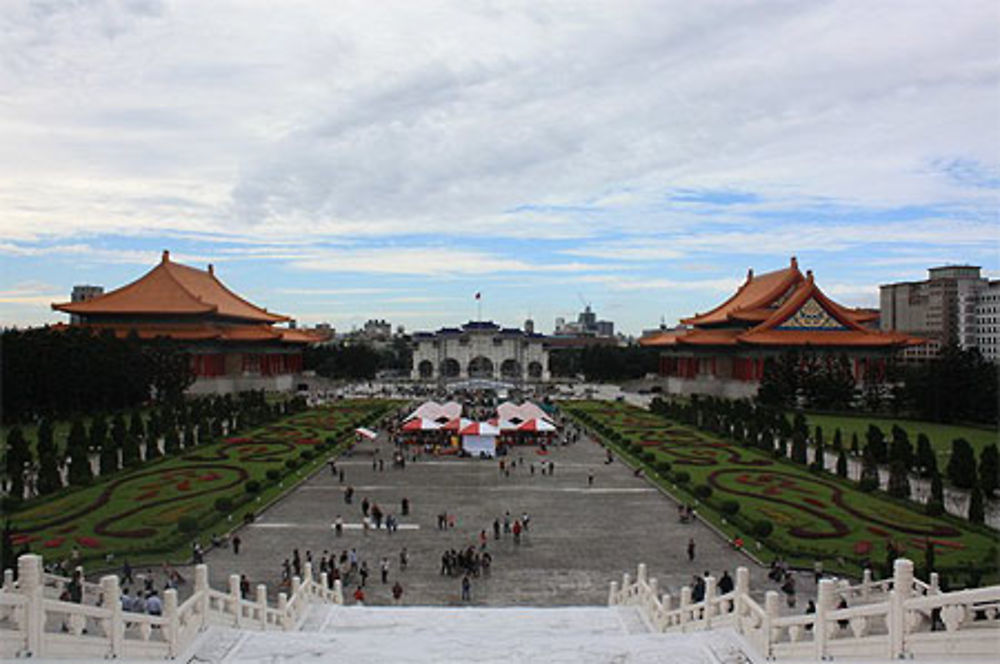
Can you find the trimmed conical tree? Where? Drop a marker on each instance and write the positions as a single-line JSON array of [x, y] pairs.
[[838, 440], [80, 473], [118, 431], [869, 471], [937, 488], [842, 464], [899, 481], [171, 442], [977, 512], [855, 446], [962, 465], [989, 469], [926, 459], [106, 447], [18, 455], [48, 460], [136, 427], [799, 447]]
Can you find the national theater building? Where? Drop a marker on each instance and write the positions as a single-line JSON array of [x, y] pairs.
[[233, 345], [723, 352], [480, 350]]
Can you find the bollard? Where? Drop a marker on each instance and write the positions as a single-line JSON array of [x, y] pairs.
[[29, 576], [866, 584]]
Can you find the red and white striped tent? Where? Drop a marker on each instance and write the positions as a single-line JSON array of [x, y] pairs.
[[366, 433], [537, 424], [456, 424], [420, 424], [480, 429]]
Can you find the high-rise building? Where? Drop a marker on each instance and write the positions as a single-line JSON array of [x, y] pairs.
[[941, 309], [82, 293], [987, 319]]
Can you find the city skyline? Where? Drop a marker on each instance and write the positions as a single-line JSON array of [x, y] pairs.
[[339, 163]]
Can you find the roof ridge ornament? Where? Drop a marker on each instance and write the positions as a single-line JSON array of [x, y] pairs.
[[166, 256], [795, 263]]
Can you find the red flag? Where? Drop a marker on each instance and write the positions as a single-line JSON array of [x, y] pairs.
[[479, 296]]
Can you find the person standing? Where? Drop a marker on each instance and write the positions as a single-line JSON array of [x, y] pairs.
[[385, 569], [126, 572], [590, 478], [466, 588], [236, 545], [404, 559], [338, 526], [690, 549], [359, 596], [725, 583], [397, 593]]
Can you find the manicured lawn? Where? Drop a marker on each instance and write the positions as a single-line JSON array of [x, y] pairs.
[[137, 512], [813, 515], [940, 435]]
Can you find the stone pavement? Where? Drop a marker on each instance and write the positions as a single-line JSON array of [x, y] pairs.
[[580, 537]]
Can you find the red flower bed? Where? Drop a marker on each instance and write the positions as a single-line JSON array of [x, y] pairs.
[[650, 443], [875, 530], [68, 529], [210, 477], [88, 542], [816, 503], [862, 548], [184, 486], [54, 542], [149, 494], [308, 441], [18, 540], [239, 440]]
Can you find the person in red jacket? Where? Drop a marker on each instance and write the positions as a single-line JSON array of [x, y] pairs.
[[517, 532], [359, 595]]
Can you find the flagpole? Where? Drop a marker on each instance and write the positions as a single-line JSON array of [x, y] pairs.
[[479, 306]]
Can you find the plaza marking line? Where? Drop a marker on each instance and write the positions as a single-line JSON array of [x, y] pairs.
[[347, 526], [480, 487]]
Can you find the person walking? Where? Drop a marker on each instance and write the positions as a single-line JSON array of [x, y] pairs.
[[788, 587], [690, 549], [236, 545], [385, 569], [466, 588], [397, 593], [517, 532], [404, 559], [338, 526], [590, 478], [126, 572]]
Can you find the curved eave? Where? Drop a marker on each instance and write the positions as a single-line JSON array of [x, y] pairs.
[[725, 312]]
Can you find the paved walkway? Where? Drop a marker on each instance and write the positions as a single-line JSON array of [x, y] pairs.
[[581, 537]]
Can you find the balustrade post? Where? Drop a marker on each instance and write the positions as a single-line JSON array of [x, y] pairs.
[[111, 590], [234, 598], [654, 592], [641, 575], [685, 607], [296, 584], [201, 591], [935, 584], [710, 600], [667, 601], [262, 605], [613, 594], [29, 576], [626, 586], [902, 588], [283, 611], [172, 629], [324, 580], [771, 612], [8, 580], [338, 592], [307, 575], [824, 604], [739, 600], [866, 584]]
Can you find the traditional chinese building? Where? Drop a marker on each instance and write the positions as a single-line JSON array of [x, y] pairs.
[[233, 345], [723, 352]]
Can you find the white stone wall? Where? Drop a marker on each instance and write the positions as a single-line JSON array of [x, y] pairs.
[[492, 345]]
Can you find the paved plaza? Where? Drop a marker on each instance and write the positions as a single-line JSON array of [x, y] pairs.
[[580, 537]]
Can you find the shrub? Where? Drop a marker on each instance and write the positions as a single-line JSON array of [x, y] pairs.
[[273, 474], [762, 528], [730, 507], [224, 505], [663, 467], [648, 457], [253, 486], [308, 455], [187, 525], [703, 491], [291, 464], [682, 477]]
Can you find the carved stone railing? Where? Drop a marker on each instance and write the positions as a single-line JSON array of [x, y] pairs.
[[35, 625], [895, 618]]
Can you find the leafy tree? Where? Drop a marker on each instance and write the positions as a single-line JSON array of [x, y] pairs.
[[780, 384], [876, 443], [48, 460], [989, 469], [842, 464], [962, 464], [926, 459], [18, 455], [977, 513], [80, 472], [899, 481], [958, 385]]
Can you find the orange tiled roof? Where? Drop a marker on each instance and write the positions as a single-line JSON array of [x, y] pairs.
[[756, 293], [172, 288], [207, 332], [804, 317]]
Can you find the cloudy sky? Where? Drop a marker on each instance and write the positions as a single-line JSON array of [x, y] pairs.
[[339, 161]]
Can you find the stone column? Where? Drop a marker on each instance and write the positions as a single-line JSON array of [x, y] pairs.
[[234, 598], [262, 606], [201, 592], [685, 607], [284, 622], [742, 591], [710, 600], [111, 590], [902, 588], [29, 576], [613, 594], [171, 630], [825, 597], [771, 610]]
